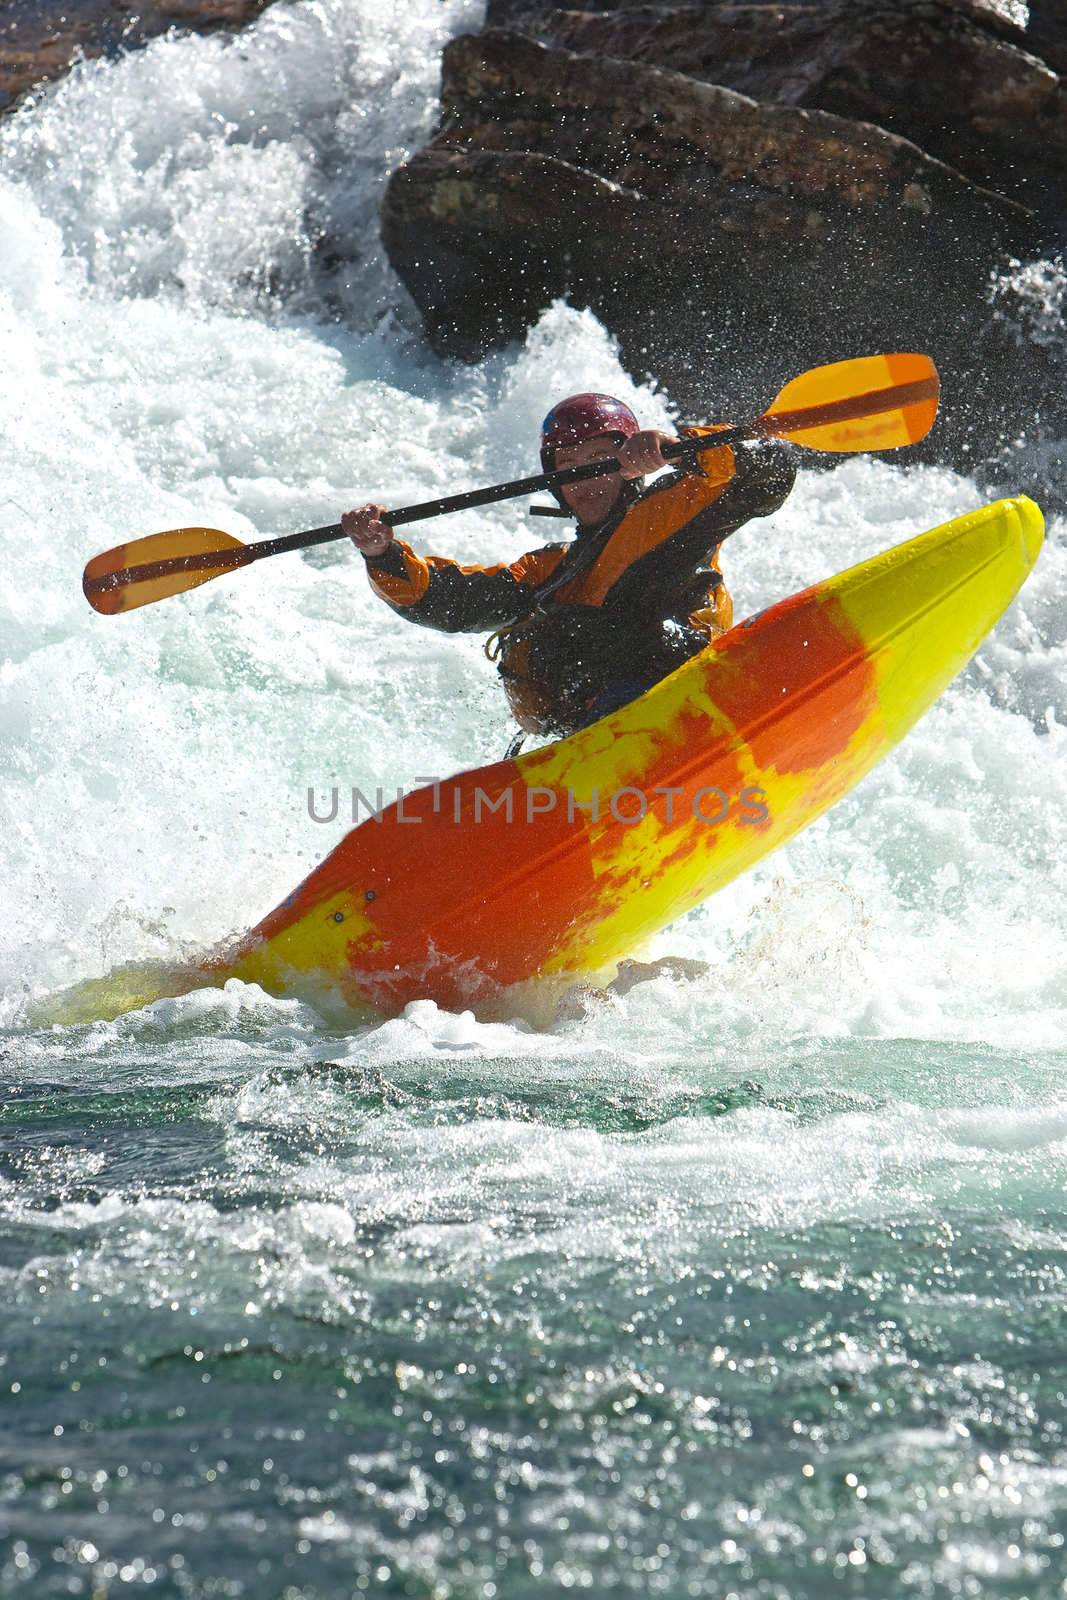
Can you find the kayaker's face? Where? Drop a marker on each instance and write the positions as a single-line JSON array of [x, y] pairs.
[[594, 499]]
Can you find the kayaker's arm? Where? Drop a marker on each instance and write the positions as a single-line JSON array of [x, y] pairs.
[[763, 479], [692, 519], [759, 479], [441, 594]]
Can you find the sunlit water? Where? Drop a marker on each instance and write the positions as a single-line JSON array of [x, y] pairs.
[[752, 1284]]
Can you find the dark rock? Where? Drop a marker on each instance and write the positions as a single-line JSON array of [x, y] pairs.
[[39, 39], [962, 84], [1039, 27], [716, 236], [1046, 32]]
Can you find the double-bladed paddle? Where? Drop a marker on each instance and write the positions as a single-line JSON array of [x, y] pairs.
[[870, 403]]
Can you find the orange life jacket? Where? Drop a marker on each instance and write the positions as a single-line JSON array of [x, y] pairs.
[[645, 593]]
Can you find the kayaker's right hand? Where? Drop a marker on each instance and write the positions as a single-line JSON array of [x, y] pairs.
[[367, 530]]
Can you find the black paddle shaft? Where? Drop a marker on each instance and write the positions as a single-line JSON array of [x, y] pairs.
[[216, 561], [777, 424], [484, 497]]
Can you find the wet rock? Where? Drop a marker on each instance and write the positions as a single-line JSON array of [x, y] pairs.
[[1045, 32], [957, 77], [39, 39], [716, 235]]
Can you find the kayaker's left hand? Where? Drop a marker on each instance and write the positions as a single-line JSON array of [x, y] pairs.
[[643, 452]]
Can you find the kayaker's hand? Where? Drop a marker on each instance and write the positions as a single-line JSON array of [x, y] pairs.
[[643, 452], [366, 529]]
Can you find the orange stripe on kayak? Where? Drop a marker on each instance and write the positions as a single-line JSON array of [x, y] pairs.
[[797, 642]]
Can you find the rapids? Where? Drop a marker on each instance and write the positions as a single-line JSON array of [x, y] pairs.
[[751, 1284]]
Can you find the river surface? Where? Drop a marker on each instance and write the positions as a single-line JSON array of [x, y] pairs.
[[746, 1284]]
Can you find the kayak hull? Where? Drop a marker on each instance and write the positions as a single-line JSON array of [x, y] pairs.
[[557, 864]]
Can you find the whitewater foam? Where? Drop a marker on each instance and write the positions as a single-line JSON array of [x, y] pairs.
[[157, 765]]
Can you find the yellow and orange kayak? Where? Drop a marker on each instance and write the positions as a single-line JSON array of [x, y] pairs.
[[564, 860], [513, 880]]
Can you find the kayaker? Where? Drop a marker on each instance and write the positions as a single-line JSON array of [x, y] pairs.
[[583, 628]]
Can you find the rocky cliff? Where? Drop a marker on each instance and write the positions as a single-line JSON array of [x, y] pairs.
[[39, 39], [741, 191]]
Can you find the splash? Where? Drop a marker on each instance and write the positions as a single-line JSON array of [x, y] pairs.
[[174, 359]]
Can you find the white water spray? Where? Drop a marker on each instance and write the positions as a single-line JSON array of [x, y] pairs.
[[173, 357]]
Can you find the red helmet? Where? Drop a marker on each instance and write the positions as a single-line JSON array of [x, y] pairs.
[[584, 416]]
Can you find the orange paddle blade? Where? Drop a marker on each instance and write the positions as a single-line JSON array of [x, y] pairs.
[[124, 578], [871, 403]]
